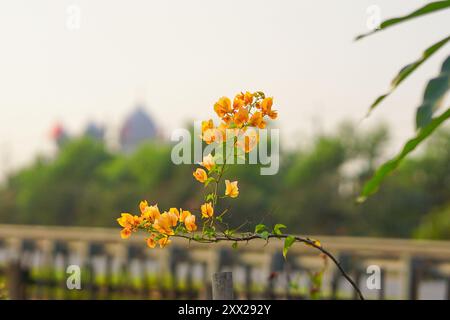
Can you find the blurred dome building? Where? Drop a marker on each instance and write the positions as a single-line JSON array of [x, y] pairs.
[[94, 131], [138, 128]]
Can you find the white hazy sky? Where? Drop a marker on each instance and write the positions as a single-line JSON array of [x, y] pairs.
[[180, 56]]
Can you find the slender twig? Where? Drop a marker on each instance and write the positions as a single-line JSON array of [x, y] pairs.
[[253, 236]]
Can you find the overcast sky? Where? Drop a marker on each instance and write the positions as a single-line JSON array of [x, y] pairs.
[[180, 56]]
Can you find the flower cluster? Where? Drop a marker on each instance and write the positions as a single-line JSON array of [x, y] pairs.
[[248, 110], [160, 225]]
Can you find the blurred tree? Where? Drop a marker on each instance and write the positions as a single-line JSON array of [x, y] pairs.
[[49, 191], [435, 225], [313, 192]]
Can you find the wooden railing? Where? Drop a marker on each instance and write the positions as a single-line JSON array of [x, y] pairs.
[[34, 261]]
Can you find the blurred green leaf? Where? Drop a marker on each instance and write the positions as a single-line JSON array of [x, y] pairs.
[[408, 70], [265, 234], [209, 180], [197, 237], [426, 9], [372, 185], [277, 228], [433, 96], [435, 225], [260, 228], [209, 197], [287, 244]]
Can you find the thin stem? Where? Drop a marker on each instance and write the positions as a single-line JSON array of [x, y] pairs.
[[219, 177], [253, 236]]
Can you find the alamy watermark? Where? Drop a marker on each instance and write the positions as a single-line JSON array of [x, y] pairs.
[[73, 281], [233, 146], [73, 17], [373, 281], [373, 20]]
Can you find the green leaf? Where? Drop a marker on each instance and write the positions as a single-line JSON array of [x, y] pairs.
[[234, 245], [264, 235], [209, 232], [197, 237], [260, 228], [433, 96], [259, 95], [209, 197], [287, 244], [373, 184], [408, 70], [180, 229], [208, 181], [426, 9], [277, 228]]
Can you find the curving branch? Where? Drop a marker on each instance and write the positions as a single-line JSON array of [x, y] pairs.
[[253, 236]]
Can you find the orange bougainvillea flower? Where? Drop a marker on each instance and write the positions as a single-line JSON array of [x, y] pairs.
[[189, 222], [184, 214], [126, 220], [223, 106], [273, 114], [248, 141], [136, 220], [208, 162], [241, 117], [266, 108], [129, 224], [218, 134], [129, 221], [175, 211], [257, 120], [151, 213], [248, 98], [164, 224], [209, 136], [143, 205], [221, 132], [164, 242], [231, 189], [266, 105], [151, 242], [207, 210], [200, 175], [208, 124], [174, 215], [239, 101], [227, 119], [125, 233]]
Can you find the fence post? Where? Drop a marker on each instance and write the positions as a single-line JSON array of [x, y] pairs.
[[18, 278], [413, 274], [222, 286]]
